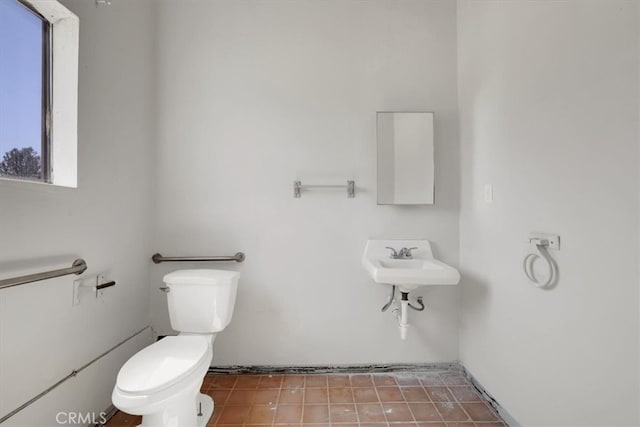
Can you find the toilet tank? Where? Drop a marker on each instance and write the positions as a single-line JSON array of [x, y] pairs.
[[201, 301]]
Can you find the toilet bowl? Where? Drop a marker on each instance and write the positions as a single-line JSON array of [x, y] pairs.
[[162, 382]]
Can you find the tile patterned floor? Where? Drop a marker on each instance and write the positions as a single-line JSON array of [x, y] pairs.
[[422, 399]]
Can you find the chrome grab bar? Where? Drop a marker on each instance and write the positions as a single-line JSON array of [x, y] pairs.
[[79, 266], [157, 258]]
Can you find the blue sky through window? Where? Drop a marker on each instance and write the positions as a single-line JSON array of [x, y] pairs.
[[20, 78]]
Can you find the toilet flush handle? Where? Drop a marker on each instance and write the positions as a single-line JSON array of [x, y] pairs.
[[165, 289]]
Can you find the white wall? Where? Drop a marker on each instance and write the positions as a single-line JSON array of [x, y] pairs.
[[253, 95], [105, 221], [549, 112]]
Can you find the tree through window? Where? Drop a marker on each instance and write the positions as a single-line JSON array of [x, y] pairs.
[[24, 92]]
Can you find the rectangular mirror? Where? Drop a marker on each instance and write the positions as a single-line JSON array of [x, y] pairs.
[[405, 158]]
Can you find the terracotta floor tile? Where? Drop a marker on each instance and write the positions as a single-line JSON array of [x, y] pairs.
[[219, 395], [321, 400], [361, 380], [343, 413], [288, 414], [451, 411], [429, 379], [315, 381], [424, 411], [209, 379], [221, 381], [390, 394], [340, 395], [365, 395], [234, 415], [384, 379], [397, 412], [338, 380], [293, 381], [313, 414], [270, 381], [454, 378], [247, 381], [370, 413], [439, 394], [407, 379], [266, 397], [414, 394], [291, 396], [480, 412], [241, 397], [120, 419], [316, 396], [465, 394], [261, 414], [217, 410]]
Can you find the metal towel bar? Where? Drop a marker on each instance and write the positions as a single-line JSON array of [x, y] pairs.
[[298, 188], [157, 258], [79, 266]]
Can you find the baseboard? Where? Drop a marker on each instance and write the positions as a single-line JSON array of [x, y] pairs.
[[324, 369], [506, 416]]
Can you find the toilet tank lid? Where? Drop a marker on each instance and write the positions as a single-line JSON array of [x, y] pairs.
[[200, 277], [162, 364]]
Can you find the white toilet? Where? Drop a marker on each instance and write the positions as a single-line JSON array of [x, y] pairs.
[[162, 382]]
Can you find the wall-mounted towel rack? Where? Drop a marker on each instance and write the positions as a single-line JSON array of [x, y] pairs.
[[298, 188], [157, 258], [78, 267]]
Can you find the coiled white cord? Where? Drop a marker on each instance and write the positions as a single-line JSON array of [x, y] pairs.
[[527, 265]]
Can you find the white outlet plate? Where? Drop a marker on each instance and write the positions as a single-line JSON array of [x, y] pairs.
[[554, 239]]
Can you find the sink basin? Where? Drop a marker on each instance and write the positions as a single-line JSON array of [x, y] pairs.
[[408, 274]]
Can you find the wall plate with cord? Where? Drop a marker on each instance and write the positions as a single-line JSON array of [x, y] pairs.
[[553, 239]]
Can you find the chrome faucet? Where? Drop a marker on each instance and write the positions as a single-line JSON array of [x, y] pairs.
[[405, 253], [394, 253]]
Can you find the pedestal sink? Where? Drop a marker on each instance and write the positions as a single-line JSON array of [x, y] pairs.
[[408, 274]]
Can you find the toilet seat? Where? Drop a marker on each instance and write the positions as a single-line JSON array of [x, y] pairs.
[[163, 364]]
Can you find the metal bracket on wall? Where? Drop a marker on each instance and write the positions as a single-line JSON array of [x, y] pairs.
[[103, 3]]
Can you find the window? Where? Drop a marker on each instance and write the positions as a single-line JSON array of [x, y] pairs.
[[24, 92], [38, 91]]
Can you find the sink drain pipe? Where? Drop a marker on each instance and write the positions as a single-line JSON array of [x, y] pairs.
[[401, 315]]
